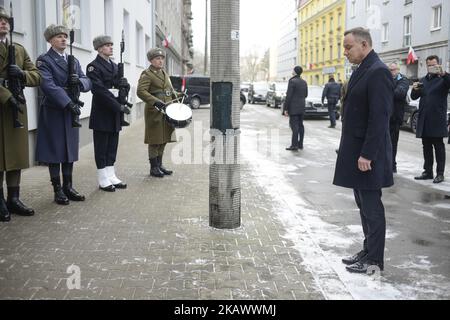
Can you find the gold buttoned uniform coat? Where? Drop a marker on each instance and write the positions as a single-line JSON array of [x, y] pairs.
[[14, 142], [152, 87]]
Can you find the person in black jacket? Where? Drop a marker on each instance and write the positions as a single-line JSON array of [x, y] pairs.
[[401, 90], [432, 122], [364, 161], [332, 92], [295, 108], [106, 113]]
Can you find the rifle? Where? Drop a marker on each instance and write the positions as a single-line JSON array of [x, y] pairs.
[[73, 90], [123, 90], [15, 84]]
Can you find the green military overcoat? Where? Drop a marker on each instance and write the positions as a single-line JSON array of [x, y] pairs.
[[14, 142], [156, 86]]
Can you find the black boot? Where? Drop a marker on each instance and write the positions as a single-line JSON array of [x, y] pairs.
[[162, 169], [155, 171], [5, 216], [15, 205], [60, 197], [70, 192]]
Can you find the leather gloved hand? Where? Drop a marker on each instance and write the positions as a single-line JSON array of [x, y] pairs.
[[13, 103], [15, 72], [160, 106], [74, 80], [125, 109], [74, 108]]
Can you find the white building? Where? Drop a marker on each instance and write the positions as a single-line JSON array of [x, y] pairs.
[[90, 19], [287, 51], [396, 25]]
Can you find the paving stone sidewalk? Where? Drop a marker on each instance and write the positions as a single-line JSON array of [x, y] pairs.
[[151, 241]]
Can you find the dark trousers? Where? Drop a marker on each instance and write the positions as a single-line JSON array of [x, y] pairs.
[[373, 222], [439, 148], [55, 170], [298, 130], [394, 129], [332, 113], [105, 148]]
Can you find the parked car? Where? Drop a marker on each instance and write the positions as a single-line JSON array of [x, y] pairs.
[[276, 94], [243, 100], [314, 106], [258, 92], [198, 89], [245, 86]]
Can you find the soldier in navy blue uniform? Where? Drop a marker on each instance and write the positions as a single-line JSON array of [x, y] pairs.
[[57, 139], [364, 162], [106, 113]]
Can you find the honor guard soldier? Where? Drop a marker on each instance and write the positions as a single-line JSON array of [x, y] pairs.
[[58, 137], [13, 138], [106, 112], [155, 89]]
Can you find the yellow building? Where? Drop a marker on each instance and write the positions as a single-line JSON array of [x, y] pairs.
[[321, 30]]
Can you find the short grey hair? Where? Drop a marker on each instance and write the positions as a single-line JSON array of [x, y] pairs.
[[361, 34]]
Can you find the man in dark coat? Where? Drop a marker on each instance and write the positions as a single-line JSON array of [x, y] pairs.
[[332, 92], [401, 85], [432, 122], [364, 162], [13, 141], [106, 113], [294, 107], [57, 141]]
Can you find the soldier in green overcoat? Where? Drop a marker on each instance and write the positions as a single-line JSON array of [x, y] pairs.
[[156, 90], [13, 141]]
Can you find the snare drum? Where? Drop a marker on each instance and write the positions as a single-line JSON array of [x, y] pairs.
[[179, 115]]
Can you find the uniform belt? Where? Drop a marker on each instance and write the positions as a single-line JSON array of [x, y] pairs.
[[167, 93]]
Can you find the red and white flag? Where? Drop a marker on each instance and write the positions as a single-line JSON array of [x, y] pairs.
[[167, 41], [412, 57]]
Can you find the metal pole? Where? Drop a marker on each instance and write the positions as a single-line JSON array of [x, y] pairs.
[[205, 68], [225, 188]]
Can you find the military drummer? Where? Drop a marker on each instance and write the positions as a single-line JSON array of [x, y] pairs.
[[156, 90]]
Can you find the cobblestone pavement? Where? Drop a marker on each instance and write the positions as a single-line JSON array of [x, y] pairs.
[[151, 241]]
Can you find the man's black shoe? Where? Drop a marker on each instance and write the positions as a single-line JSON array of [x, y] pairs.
[[121, 186], [439, 179], [16, 206], [425, 176], [110, 188], [5, 216], [366, 266], [292, 149], [354, 259], [332, 127]]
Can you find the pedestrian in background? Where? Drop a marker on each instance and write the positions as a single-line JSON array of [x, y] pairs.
[[401, 87], [332, 92], [14, 153], [294, 107], [58, 141], [432, 124], [364, 161]]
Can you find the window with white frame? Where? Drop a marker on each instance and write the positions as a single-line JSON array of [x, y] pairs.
[[126, 31], [436, 22], [367, 5], [385, 32], [407, 26], [353, 9], [140, 61]]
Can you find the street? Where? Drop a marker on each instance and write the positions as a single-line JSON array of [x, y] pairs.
[[153, 241]]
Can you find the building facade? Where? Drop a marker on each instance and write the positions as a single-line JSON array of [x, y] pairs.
[[173, 32], [90, 19], [321, 29], [287, 46], [398, 25]]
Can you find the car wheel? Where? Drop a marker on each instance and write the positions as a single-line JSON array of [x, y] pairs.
[[195, 103], [414, 119], [242, 104]]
